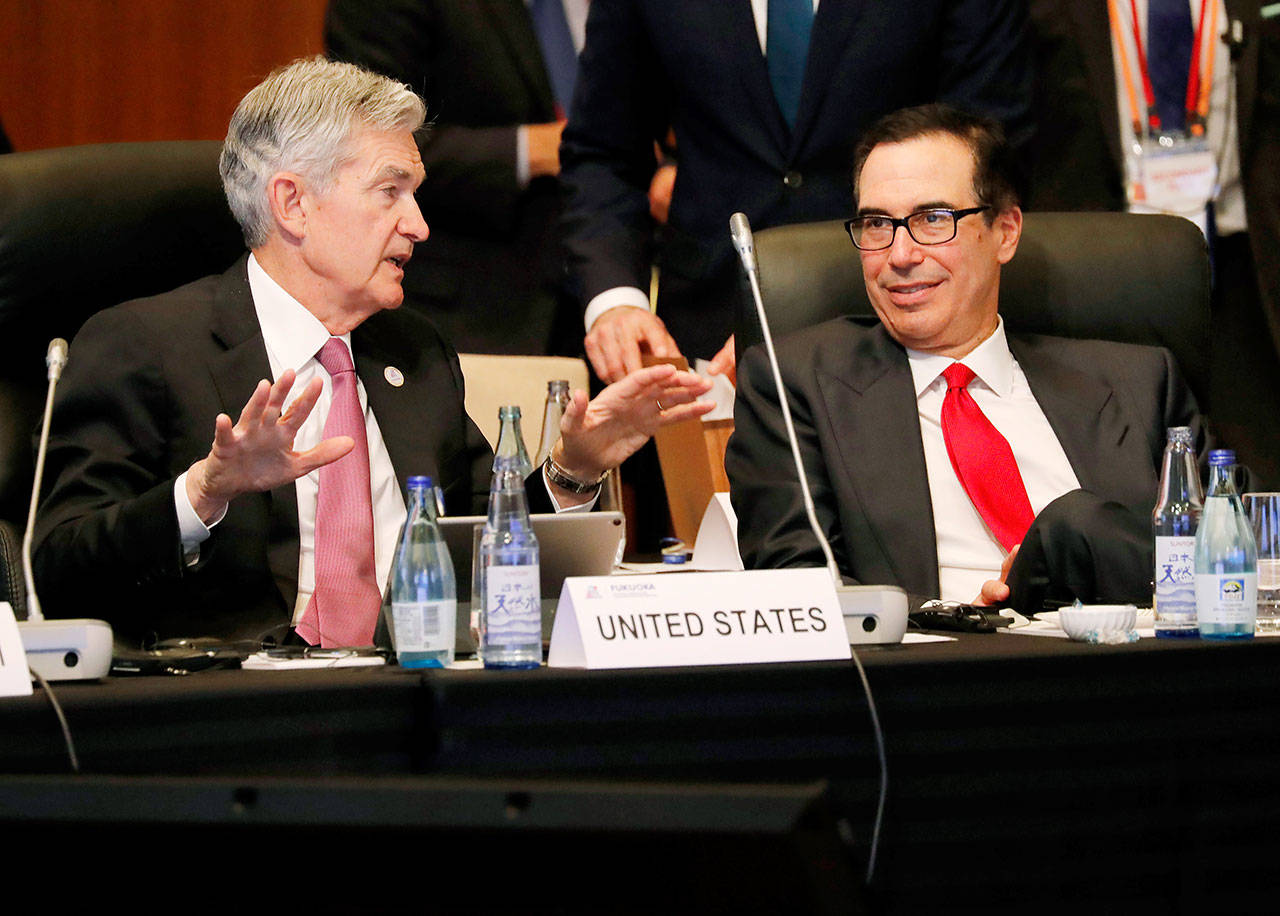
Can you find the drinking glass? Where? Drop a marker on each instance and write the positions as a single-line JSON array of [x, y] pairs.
[[1263, 511]]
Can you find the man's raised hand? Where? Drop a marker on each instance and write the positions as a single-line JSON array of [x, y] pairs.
[[256, 453]]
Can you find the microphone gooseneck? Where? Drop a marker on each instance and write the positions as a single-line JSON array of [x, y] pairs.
[[55, 359], [744, 242]]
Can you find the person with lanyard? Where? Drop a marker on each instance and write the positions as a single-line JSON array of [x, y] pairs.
[[1173, 106], [1166, 74]]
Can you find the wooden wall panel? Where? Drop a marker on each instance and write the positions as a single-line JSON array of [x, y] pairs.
[[94, 71]]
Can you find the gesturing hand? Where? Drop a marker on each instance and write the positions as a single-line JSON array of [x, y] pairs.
[[256, 453], [602, 433]]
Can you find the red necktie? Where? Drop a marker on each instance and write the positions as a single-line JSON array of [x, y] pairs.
[[983, 461], [344, 607]]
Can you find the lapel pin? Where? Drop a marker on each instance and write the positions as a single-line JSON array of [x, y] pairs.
[[394, 376]]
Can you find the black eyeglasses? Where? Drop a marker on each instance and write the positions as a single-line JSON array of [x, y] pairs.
[[927, 227]]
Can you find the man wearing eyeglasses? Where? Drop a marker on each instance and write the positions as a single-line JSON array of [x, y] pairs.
[[936, 443]]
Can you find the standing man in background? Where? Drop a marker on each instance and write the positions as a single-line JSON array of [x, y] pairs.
[[498, 78], [1206, 74], [766, 101]]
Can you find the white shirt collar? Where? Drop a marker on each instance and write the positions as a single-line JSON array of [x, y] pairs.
[[990, 361], [291, 333]]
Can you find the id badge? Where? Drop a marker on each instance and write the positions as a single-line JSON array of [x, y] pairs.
[[1174, 174]]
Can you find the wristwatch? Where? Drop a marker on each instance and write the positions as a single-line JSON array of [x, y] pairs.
[[566, 481]]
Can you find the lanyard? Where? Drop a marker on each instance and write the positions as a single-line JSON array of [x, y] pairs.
[[1198, 82]]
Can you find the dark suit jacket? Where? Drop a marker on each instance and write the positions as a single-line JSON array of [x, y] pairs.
[[492, 275], [135, 409], [853, 405], [1076, 160], [696, 65]]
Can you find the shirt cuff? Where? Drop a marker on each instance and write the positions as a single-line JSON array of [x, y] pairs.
[[612, 298], [585, 507], [522, 155], [191, 529]]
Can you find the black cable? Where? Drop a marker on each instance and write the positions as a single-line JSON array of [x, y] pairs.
[[62, 720], [884, 764]]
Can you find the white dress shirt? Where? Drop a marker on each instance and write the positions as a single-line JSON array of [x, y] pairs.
[[968, 553]]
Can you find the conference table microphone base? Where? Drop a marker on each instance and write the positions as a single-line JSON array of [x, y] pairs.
[[67, 650]]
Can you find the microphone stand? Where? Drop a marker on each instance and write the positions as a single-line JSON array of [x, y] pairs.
[[57, 650]]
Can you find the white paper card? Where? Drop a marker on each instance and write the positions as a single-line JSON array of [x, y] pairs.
[[717, 544], [721, 394], [717, 618], [15, 679]]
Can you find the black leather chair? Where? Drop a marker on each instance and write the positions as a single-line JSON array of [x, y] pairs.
[[1108, 276], [83, 228]]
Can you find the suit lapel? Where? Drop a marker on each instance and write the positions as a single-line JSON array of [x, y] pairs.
[[1092, 26], [870, 405], [510, 19], [409, 430], [235, 371], [1087, 418]]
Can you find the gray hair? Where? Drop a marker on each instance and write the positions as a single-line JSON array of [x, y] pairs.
[[300, 119]]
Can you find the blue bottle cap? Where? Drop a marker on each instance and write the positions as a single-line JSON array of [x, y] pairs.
[[1221, 457], [419, 482]]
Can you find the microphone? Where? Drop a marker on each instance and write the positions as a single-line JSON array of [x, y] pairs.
[[59, 650], [56, 358], [873, 614], [744, 242], [880, 611]]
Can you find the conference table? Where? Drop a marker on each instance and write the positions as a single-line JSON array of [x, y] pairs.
[[1024, 772]]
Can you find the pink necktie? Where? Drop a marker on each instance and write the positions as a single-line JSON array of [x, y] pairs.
[[983, 461], [344, 607]]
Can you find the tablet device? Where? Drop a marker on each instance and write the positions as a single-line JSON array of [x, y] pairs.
[[569, 544]]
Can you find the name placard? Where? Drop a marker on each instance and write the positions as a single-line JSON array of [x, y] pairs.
[[15, 678], [710, 618]]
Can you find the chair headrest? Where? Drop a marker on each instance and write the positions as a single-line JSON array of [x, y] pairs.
[[86, 227]]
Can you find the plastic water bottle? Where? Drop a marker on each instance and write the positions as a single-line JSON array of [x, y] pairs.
[[423, 614], [1226, 558], [1174, 521], [506, 586], [557, 401]]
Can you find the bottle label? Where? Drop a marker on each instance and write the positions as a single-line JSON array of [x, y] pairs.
[[420, 626], [513, 605], [1175, 597], [1227, 600]]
